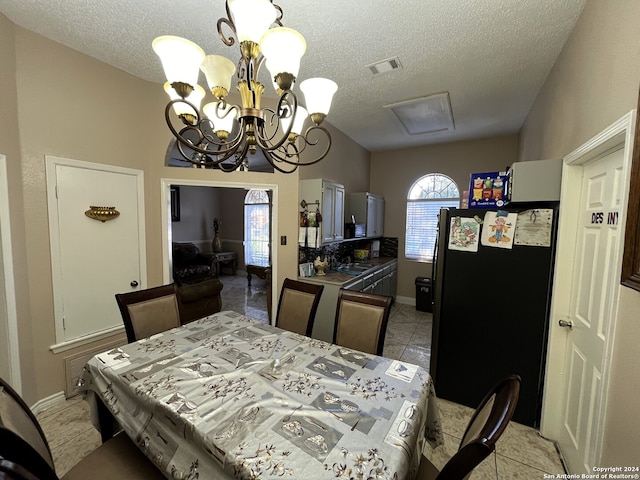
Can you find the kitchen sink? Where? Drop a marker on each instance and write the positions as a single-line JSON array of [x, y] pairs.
[[354, 268], [349, 270]]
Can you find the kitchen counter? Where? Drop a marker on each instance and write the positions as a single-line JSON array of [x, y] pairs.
[[335, 277], [379, 278]]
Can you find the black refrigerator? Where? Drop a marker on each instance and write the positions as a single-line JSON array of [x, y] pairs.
[[491, 311]]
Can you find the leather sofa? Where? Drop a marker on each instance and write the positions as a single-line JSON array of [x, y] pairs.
[[198, 300], [192, 266]]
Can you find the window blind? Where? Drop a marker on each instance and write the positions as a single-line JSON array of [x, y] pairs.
[[422, 227], [256, 234]]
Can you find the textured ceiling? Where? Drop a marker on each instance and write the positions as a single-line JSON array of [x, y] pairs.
[[492, 56]]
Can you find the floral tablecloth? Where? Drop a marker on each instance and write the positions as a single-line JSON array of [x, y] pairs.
[[228, 397]]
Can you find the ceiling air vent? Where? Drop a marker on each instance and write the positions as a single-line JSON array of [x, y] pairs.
[[385, 66], [430, 114]]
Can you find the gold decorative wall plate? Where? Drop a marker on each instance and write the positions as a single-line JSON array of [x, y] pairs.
[[102, 213]]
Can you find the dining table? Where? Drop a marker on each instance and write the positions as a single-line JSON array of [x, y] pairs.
[[229, 397]]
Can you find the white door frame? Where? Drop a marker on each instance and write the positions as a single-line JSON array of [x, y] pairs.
[[165, 202], [618, 135], [9, 281]]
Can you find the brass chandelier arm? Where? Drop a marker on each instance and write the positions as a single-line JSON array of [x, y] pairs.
[[264, 140], [228, 41], [287, 105], [278, 19], [289, 154], [196, 126], [294, 150]]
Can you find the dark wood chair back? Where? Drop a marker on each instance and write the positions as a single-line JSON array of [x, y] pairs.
[[13, 471], [150, 311], [361, 321], [298, 305], [487, 424], [25, 452], [22, 440]]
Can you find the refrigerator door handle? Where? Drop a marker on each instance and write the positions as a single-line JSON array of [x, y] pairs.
[[434, 265]]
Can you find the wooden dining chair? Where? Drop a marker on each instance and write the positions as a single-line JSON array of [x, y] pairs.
[[297, 306], [150, 311], [26, 454], [361, 321], [487, 424]]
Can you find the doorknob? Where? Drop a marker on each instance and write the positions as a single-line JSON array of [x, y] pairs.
[[134, 284], [566, 323]]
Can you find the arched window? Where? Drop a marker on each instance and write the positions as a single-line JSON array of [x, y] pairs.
[[257, 231], [426, 196]]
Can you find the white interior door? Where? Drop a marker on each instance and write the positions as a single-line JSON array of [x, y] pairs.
[[591, 308], [93, 260]]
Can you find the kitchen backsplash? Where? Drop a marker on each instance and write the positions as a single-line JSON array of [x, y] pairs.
[[340, 252]]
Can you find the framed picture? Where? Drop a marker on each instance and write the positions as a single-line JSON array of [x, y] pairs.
[[175, 203], [306, 269]]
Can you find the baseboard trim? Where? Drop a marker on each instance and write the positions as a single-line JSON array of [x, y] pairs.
[[406, 300], [48, 402]]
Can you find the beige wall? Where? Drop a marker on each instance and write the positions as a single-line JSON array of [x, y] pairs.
[[594, 83], [10, 146], [198, 207], [346, 163], [72, 106], [232, 229], [394, 171]]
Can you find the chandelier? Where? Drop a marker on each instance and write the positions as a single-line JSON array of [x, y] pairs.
[[223, 135]]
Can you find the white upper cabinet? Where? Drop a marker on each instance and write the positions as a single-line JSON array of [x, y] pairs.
[[330, 196], [368, 207]]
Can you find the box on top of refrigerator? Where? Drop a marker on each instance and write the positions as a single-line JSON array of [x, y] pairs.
[[535, 181], [487, 189]]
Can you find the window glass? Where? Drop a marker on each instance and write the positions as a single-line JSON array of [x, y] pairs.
[[426, 196], [256, 228]]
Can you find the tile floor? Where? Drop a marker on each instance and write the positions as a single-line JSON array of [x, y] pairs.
[[238, 296], [521, 453]]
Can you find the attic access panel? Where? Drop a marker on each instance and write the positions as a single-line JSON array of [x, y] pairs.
[[430, 114]]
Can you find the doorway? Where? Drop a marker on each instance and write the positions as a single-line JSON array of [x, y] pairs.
[[239, 191], [595, 188]]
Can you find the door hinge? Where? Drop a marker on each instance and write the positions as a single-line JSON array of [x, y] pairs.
[[57, 191], [64, 323]]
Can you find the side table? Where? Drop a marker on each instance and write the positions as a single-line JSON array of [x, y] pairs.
[[226, 259], [258, 271]]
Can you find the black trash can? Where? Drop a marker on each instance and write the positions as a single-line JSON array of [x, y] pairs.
[[423, 294]]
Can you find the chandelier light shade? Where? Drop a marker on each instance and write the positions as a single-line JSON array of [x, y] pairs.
[[298, 122], [252, 18], [224, 134], [218, 70], [318, 92], [223, 117], [283, 49], [180, 58], [181, 108]]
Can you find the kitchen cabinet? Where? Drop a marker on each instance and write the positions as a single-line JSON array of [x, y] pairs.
[[383, 281], [331, 197], [365, 206]]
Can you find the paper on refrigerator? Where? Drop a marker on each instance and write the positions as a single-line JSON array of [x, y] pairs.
[[463, 234]]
